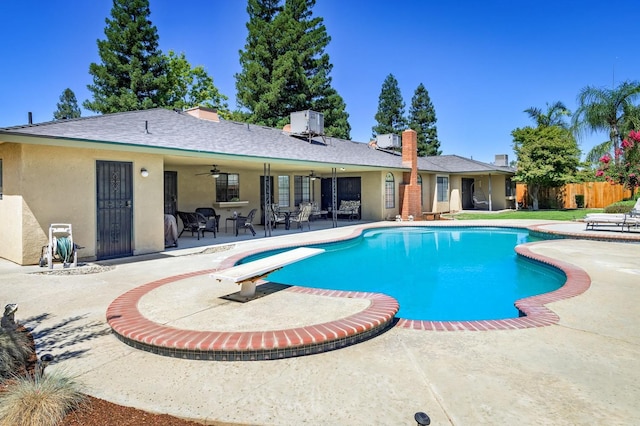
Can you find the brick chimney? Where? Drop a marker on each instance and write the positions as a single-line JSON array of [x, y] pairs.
[[411, 195], [204, 113]]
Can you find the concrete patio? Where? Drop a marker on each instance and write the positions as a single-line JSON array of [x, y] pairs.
[[583, 370]]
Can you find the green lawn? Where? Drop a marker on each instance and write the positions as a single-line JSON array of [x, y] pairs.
[[529, 214]]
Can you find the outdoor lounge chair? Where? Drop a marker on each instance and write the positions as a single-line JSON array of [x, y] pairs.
[[246, 222], [628, 220]]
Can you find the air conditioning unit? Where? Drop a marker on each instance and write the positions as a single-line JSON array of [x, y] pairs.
[[307, 123], [502, 160], [389, 140]]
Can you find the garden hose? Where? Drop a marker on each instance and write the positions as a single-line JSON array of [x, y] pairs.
[[64, 248]]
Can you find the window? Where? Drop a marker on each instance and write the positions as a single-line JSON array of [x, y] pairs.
[[442, 184], [227, 187], [301, 190], [0, 178], [283, 191], [389, 192], [510, 187]]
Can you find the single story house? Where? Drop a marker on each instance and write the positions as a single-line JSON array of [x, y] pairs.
[[113, 176]]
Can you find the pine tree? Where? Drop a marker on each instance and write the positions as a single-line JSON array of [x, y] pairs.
[[390, 115], [67, 107], [257, 61], [422, 119], [132, 74], [285, 67]]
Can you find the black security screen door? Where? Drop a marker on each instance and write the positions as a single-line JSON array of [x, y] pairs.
[[170, 192], [115, 209]]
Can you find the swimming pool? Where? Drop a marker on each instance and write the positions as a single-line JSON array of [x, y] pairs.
[[437, 274]]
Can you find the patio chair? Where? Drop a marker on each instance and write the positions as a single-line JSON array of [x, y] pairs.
[[278, 217], [209, 213], [302, 216], [246, 222], [195, 222]]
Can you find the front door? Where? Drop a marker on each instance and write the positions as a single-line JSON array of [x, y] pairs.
[[114, 208]]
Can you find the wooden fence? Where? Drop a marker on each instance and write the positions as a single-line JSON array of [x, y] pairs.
[[596, 195]]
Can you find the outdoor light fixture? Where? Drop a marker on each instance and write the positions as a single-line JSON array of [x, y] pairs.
[[342, 169], [144, 172]]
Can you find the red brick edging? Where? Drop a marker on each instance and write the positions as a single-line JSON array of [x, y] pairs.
[[536, 314], [136, 330]]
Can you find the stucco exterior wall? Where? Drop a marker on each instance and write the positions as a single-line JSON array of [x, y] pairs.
[[455, 193], [11, 205], [428, 188], [58, 185], [372, 195]]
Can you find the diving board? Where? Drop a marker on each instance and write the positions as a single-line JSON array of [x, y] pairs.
[[247, 274]]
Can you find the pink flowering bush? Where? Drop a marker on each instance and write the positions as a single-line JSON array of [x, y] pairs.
[[625, 170]]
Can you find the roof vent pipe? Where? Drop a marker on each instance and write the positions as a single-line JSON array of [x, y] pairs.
[[146, 126], [30, 117]]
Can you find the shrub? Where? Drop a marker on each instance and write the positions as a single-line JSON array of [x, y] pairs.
[[579, 201], [42, 400], [620, 207], [15, 350]]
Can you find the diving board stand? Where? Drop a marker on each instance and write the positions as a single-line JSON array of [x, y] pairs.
[[247, 274]]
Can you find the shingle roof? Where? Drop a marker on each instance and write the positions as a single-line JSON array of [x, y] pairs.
[[163, 128]]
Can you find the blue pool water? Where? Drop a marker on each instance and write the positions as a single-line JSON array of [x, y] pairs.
[[439, 274]]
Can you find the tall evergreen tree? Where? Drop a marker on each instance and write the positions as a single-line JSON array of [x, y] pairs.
[[132, 74], [253, 83], [67, 107], [390, 115], [285, 68], [422, 119]]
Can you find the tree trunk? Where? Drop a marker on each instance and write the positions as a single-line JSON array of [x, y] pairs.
[[533, 193]]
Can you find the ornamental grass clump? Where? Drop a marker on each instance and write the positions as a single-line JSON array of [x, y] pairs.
[[42, 399]]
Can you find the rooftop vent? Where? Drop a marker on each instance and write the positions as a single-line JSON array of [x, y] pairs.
[[388, 140], [308, 123]]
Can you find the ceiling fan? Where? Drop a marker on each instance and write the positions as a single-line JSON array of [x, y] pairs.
[[214, 173], [314, 176]]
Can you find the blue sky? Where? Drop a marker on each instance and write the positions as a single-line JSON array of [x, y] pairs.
[[483, 62]]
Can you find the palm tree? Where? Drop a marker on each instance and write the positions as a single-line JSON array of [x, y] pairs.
[[554, 116], [606, 109]]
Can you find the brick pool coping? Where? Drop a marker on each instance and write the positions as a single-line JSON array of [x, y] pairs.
[[134, 329]]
